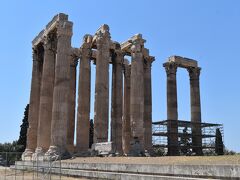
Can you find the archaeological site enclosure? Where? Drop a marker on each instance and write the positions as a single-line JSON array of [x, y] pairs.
[[53, 97]]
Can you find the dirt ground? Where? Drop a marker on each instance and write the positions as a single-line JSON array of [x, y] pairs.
[[188, 160], [8, 174]]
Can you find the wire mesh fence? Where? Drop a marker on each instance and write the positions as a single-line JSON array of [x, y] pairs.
[[13, 168]]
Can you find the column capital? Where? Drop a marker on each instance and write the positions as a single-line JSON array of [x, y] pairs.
[[171, 68], [64, 28], [103, 34], [148, 62], [50, 42], [194, 72], [85, 49]]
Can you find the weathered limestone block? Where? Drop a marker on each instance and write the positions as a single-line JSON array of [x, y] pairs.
[[101, 105], [183, 62], [103, 149], [117, 100], [34, 102], [84, 93]]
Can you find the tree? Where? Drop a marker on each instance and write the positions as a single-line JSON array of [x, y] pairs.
[[219, 143], [22, 141], [185, 142], [91, 132]]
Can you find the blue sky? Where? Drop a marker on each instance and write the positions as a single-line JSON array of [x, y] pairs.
[[207, 31]]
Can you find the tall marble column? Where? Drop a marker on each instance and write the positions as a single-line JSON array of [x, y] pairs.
[[60, 110], [194, 74], [72, 102], [148, 103], [101, 106], [46, 96], [84, 93], [34, 102], [117, 100], [137, 97], [126, 109], [172, 112]]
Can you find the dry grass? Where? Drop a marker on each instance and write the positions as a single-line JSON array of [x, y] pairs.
[[187, 160]]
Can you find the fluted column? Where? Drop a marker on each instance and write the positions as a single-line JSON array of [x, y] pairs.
[[84, 92], [148, 103], [117, 100], [137, 97], [34, 102], [194, 74], [72, 102], [46, 96], [60, 110], [101, 106], [172, 112], [126, 109]]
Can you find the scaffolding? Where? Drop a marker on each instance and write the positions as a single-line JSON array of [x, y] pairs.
[[160, 133]]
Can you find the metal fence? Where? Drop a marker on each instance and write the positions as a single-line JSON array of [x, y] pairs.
[[12, 169]]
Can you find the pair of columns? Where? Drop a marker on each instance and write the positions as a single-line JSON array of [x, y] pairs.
[[49, 98], [172, 112]]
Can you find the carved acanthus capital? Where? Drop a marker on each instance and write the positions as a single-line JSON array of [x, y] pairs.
[[86, 49], [74, 62], [194, 72], [103, 35], [148, 62], [64, 28], [171, 68], [50, 42]]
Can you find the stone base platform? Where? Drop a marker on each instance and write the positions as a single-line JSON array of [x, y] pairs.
[[127, 168]]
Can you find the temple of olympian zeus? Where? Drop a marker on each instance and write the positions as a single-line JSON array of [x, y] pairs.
[[53, 93]]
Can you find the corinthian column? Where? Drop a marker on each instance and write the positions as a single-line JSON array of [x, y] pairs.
[[60, 110], [117, 100], [34, 103], [72, 102], [46, 96], [101, 105], [194, 74], [137, 97], [84, 92], [148, 103], [172, 113], [126, 137]]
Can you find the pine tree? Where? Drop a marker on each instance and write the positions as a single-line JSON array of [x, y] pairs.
[[22, 141], [91, 131], [219, 143]]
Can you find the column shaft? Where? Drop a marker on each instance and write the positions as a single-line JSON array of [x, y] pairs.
[[60, 111], [84, 93], [101, 106], [126, 110], [148, 106], [34, 100], [194, 74], [46, 97], [137, 99], [72, 102], [117, 101], [172, 113]]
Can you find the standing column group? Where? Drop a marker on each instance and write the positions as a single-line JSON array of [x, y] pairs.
[[172, 112]]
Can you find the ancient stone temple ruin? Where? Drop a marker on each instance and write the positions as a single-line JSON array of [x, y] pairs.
[[53, 93]]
